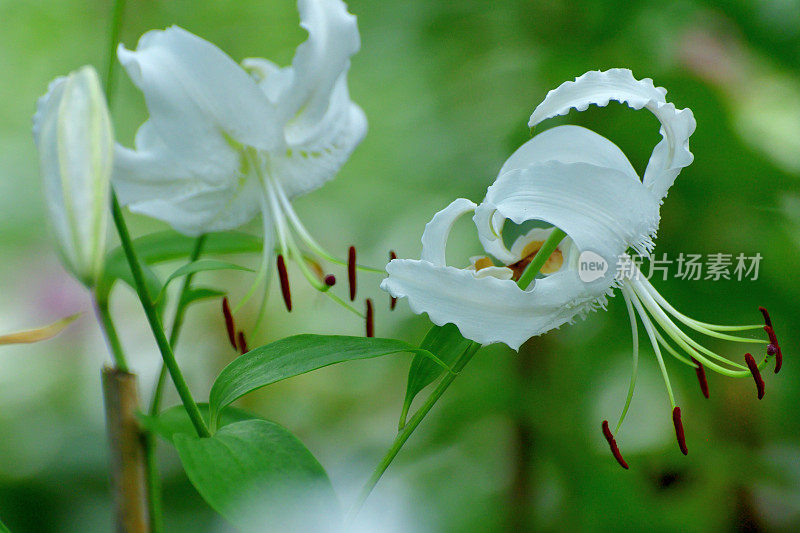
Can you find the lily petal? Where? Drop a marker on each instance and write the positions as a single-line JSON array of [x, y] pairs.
[[157, 169], [206, 210], [322, 126], [570, 144], [319, 62], [316, 157], [670, 155], [39, 334], [434, 238], [194, 91], [601, 209], [489, 310]]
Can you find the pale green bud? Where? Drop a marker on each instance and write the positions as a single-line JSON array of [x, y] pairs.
[[72, 130]]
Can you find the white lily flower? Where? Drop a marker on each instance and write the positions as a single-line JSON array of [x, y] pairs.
[[73, 134], [575, 180], [226, 142]]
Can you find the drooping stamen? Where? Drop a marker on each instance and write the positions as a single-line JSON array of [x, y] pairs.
[[242, 343], [370, 319], [776, 348], [682, 339], [351, 271], [676, 420], [612, 443], [701, 377], [284, 277], [651, 333], [764, 312], [392, 299], [751, 364], [635, 370], [229, 326], [330, 280]]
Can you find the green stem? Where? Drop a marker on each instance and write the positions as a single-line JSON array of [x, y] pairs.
[[154, 502], [540, 258], [155, 322], [133, 261], [527, 277], [177, 323], [409, 428], [110, 331], [116, 26]]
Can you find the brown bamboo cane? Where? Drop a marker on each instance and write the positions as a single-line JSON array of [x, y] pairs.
[[126, 447]]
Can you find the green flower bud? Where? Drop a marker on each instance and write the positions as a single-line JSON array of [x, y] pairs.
[[72, 130]]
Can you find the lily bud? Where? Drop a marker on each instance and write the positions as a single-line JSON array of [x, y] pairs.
[[73, 134]]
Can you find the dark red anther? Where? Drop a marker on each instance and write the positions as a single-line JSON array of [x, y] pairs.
[[701, 377], [764, 312], [242, 343], [370, 319], [392, 299], [776, 348], [751, 364], [284, 277], [226, 312], [330, 280], [676, 420], [351, 271], [613, 444]]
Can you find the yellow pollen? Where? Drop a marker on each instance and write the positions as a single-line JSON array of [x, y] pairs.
[[483, 262]]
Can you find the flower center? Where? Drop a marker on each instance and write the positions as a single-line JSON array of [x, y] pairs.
[[553, 263]]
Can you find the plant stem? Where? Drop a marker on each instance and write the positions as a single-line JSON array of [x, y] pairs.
[[540, 258], [136, 268], [409, 428], [116, 26], [110, 332], [177, 323], [155, 503], [527, 277], [155, 322]]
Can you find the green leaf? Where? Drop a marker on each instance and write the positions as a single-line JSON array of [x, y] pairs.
[[194, 294], [260, 477], [175, 420], [447, 343], [122, 272], [169, 245], [202, 265], [3, 528], [293, 356]]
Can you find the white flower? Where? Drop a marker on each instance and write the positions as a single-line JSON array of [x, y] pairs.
[[566, 177], [575, 180], [73, 134], [225, 142]]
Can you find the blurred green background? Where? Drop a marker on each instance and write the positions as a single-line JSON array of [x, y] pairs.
[[448, 87]]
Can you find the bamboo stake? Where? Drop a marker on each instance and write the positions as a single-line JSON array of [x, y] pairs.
[[126, 445]]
